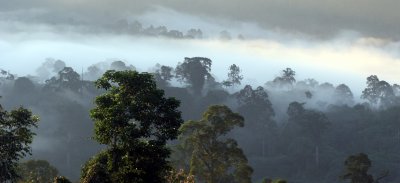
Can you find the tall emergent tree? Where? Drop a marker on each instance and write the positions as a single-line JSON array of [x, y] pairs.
[[234, 76], [215, 158], [15, 137], [287, 78], [194, 71], [378, 92], [255, 106], [134, 120]]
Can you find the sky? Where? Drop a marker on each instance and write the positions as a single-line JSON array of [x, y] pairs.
[[330, 40]]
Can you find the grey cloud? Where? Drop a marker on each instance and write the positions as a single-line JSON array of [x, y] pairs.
[[322, 19]]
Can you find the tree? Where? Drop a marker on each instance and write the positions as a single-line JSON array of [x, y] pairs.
[[311, 124], [134, 120], [256, 107], [6, 75], [225, 35], [67, 79], [194, 71], [234, 76], [163, 75], [343, 95], [180, 176], [61, 179], [287, 78], [214, 157], [121, 66], [357, 167], [37, 171], [194, 34], [15, 137], [378, 92]]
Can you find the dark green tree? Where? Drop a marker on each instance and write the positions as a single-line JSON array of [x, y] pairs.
[[194, 71], [214, 156], [96, 170], [15, 137], [234, 76], [134, 120]]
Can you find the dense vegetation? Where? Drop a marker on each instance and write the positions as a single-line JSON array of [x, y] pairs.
[[301, 131]]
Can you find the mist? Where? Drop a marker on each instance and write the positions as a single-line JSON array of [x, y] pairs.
[[329, 45]]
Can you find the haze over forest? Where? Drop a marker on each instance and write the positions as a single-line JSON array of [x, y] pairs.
[[335, 62]]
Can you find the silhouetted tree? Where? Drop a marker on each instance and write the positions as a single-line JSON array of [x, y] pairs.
[[67, 79], [256, 107], [121, 66], [312, 124], [194, 34], [23, 85], [225, 35], [163, 75], [378, 92], [343, 95], [194, 71], [287, 78], [234, 76]]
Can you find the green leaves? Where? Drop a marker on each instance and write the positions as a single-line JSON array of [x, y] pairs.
[[214, 156], [37, 171], [15, 137], [135, 121]]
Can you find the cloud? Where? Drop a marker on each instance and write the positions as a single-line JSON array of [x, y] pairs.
[[347, 59], [321, 19]]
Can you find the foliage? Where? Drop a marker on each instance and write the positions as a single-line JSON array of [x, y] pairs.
[[96, 170], [215, 157], [134, 120], [194, 71], [287, 78], [37, 171], [234, 76], [67, 79], [312, 123], [163, 75], [378, 92], [61, 179], [180, 176], [357, 167], [15, 137], [343, 95]]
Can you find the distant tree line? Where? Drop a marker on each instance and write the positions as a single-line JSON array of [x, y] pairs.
[[301, 131]]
